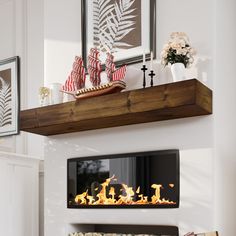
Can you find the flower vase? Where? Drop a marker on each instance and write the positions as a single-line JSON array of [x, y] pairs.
[[56, 94], [178, 72]]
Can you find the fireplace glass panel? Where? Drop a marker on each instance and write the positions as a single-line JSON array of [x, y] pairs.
[[149, 179]]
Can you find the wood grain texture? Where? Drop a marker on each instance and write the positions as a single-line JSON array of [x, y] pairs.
[[170, 101]]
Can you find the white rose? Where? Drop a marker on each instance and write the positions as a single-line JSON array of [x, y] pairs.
[[175, 46], [166, 46], [191, 60], [193, 51], [164, 53]]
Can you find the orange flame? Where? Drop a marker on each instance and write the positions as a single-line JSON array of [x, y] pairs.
[[126, 195]]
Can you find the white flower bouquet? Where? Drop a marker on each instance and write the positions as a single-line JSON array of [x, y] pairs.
[[178, 50]]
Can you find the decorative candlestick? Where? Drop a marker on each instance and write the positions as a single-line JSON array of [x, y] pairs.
[[144, 57], [152, 74], [151, 61], [144, 68]]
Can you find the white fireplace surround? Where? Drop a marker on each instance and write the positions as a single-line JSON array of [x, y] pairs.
[[196, 188]]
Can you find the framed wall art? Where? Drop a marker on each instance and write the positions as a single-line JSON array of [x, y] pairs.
[[126, 28], [9, 96]]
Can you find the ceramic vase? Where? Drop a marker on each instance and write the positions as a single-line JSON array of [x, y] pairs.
[[178, 72], [56, 94]]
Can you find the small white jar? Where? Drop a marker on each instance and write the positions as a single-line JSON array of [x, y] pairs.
[[56, 93]]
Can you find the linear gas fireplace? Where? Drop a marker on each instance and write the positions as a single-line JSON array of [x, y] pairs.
[[134, 180]]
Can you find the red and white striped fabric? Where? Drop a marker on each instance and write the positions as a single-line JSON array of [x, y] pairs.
[[94, 67], [94, 52], [69, 85], [119, 74], [78, 63], [110, 66], [76, 79]]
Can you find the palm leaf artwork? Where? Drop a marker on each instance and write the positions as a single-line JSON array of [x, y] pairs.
[[5, 103], [101, 10], [112, 22]]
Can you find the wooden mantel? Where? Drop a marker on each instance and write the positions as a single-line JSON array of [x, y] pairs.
[[165, 102]]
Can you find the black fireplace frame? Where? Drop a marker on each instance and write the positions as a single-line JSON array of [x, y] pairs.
[[136, 154]]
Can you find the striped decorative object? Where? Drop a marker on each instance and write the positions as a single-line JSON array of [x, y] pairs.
[[119, 74], [76, 79], [94, 67], [114, 74], [69, 85], [110, 66]]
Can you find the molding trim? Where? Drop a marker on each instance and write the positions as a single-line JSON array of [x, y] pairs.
[[21, 49], [11, 154]]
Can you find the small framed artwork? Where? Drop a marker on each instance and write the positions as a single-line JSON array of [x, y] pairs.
[[125, 28], [9, 96]]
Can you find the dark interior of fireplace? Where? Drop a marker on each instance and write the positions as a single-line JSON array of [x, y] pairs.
[[133, 180], [157, 230]]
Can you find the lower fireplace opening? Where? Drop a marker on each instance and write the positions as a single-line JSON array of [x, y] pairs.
[[118, 230], [133, 180]]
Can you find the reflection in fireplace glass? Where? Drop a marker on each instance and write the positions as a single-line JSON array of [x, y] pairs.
[[149, 179]]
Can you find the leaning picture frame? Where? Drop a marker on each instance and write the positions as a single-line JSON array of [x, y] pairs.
[[125, 28], [9, 96]]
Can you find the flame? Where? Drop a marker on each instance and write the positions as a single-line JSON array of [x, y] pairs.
[[81, 199], [102, 199], [126, 195], [157, 196]]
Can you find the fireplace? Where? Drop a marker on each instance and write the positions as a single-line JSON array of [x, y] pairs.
[[133, 180], [124, 230]]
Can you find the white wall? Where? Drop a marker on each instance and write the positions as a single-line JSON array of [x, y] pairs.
[[62, 38], [196, 18], [224, 122]]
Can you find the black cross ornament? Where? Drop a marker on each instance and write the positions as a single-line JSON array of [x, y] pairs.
[[152, 75], [144, 69]]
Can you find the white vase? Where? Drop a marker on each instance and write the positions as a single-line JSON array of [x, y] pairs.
[[56, 94], [178, 72]]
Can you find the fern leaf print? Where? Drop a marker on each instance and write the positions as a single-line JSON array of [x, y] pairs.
[[113, 21], [101, 10], [5, 103]]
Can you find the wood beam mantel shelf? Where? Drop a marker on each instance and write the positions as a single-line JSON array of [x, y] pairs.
[[165, 102]]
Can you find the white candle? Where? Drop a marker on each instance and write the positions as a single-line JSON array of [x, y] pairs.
[[151, 60], [144, 57]]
